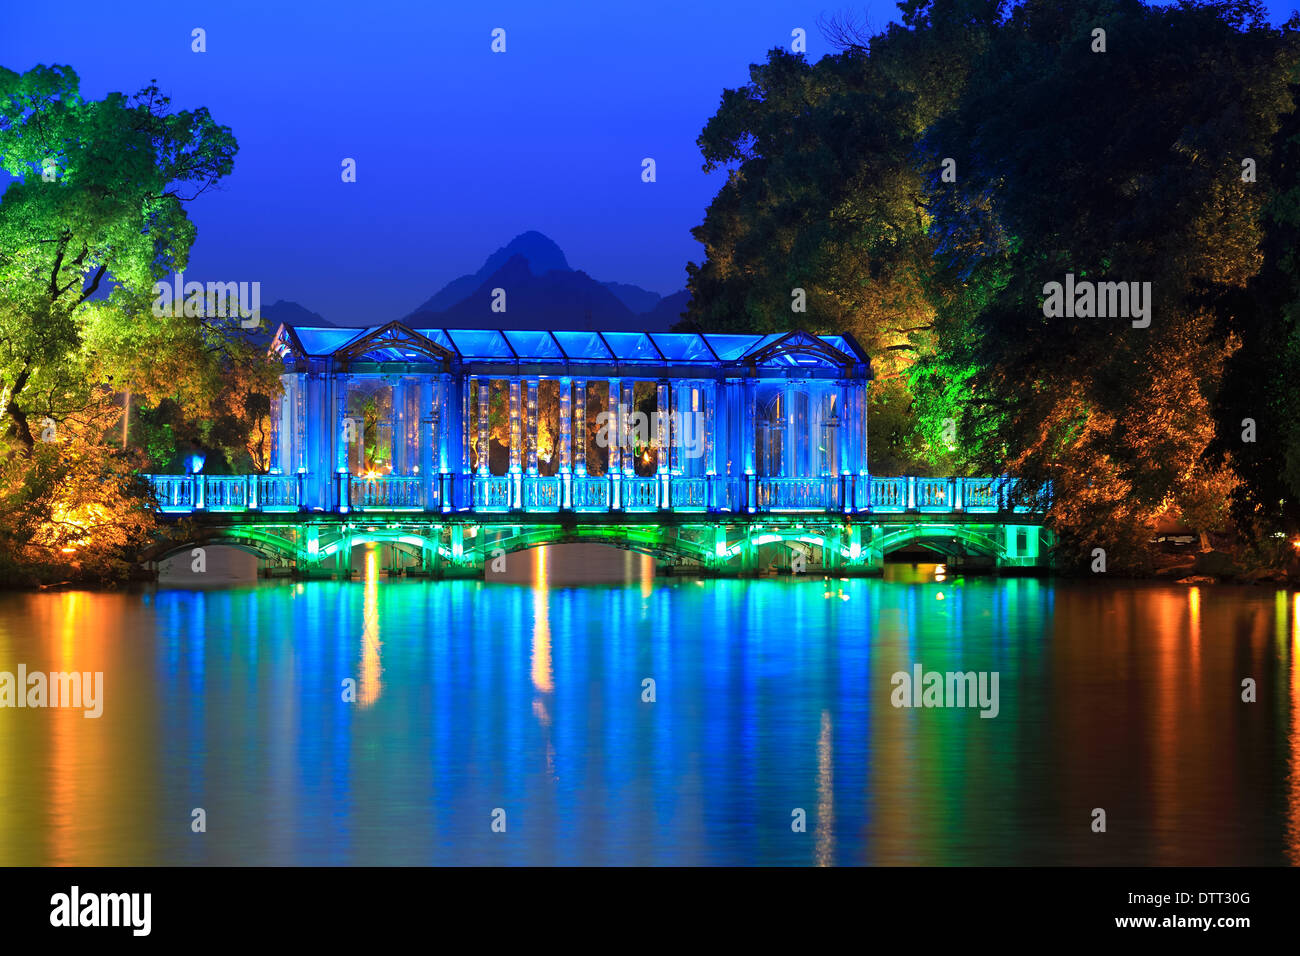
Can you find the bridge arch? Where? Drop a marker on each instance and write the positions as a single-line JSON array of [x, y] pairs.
[[655, 542], [985, 541], [249, 540]]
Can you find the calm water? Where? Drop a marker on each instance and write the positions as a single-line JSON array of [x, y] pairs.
[[771, 695]]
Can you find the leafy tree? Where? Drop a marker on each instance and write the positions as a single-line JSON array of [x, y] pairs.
[[96, 202], [1116, 166], [1258, 408], [826, 193]]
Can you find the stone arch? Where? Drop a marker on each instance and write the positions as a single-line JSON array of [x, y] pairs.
[[929, 536], [250, 540], [655, 542]]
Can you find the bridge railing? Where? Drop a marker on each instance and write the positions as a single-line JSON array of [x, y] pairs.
[[689, 494], [640, 494], [493, 492], [389, 493], [174, 493], [591, 493], [279, 492], [543, 493], [798, 494], [182, 494]]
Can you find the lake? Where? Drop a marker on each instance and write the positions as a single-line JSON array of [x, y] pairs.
[[421, 722]]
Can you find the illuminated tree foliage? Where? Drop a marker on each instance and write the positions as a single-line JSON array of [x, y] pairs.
[[1258, 409], [924, 184], [92, 216], [825, 195], [1116, 166]]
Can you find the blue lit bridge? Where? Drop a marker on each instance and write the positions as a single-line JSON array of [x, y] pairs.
[[720, 453]]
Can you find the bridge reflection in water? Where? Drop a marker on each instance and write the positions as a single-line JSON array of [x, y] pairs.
[[449, 446]]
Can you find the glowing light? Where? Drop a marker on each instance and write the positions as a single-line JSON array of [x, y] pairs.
[[371, 667], [825, 793], [542, 674]]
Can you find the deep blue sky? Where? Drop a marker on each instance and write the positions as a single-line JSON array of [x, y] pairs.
[[458, 149]]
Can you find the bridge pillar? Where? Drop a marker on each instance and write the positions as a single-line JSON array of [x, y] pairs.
[[832, 541], [1021, 546], [343, 557], [309, 556]]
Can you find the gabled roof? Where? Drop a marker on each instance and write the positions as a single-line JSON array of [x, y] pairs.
[[393, 342], [799, 348]]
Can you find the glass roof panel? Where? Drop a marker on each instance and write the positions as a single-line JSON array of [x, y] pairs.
[[731, 347], [583, 346], [534, 344], [326, 341], [838, 342], [481, 344], [682, 346], [632, 346]]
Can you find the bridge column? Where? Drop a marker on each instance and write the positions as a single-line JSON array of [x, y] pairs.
[[710, 396], [427, 435], [789, 460], [516, 441], [532, 387], [566, 443], [615, 433], [580, 427], [663, 405], [484, 390], [748, 415], [344, 436]]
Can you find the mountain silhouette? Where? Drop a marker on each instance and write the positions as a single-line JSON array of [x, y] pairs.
[[637, 299], [282, 310], [540, 253], [668, 311], [559, 299], [541, 292]]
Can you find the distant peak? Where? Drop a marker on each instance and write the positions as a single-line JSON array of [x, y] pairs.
[[541, 252]]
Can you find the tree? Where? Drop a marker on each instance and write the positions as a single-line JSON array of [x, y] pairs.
[[96, 202], [100, 191], [1258, 408], [1122, 166], [825, 204]]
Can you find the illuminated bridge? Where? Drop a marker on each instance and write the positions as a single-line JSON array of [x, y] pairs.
[[722, 453]]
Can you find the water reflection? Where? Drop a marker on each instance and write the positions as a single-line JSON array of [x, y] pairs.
[[371, 686], [770, 695]]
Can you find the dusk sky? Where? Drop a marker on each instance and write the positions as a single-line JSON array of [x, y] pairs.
[[458, 149]]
